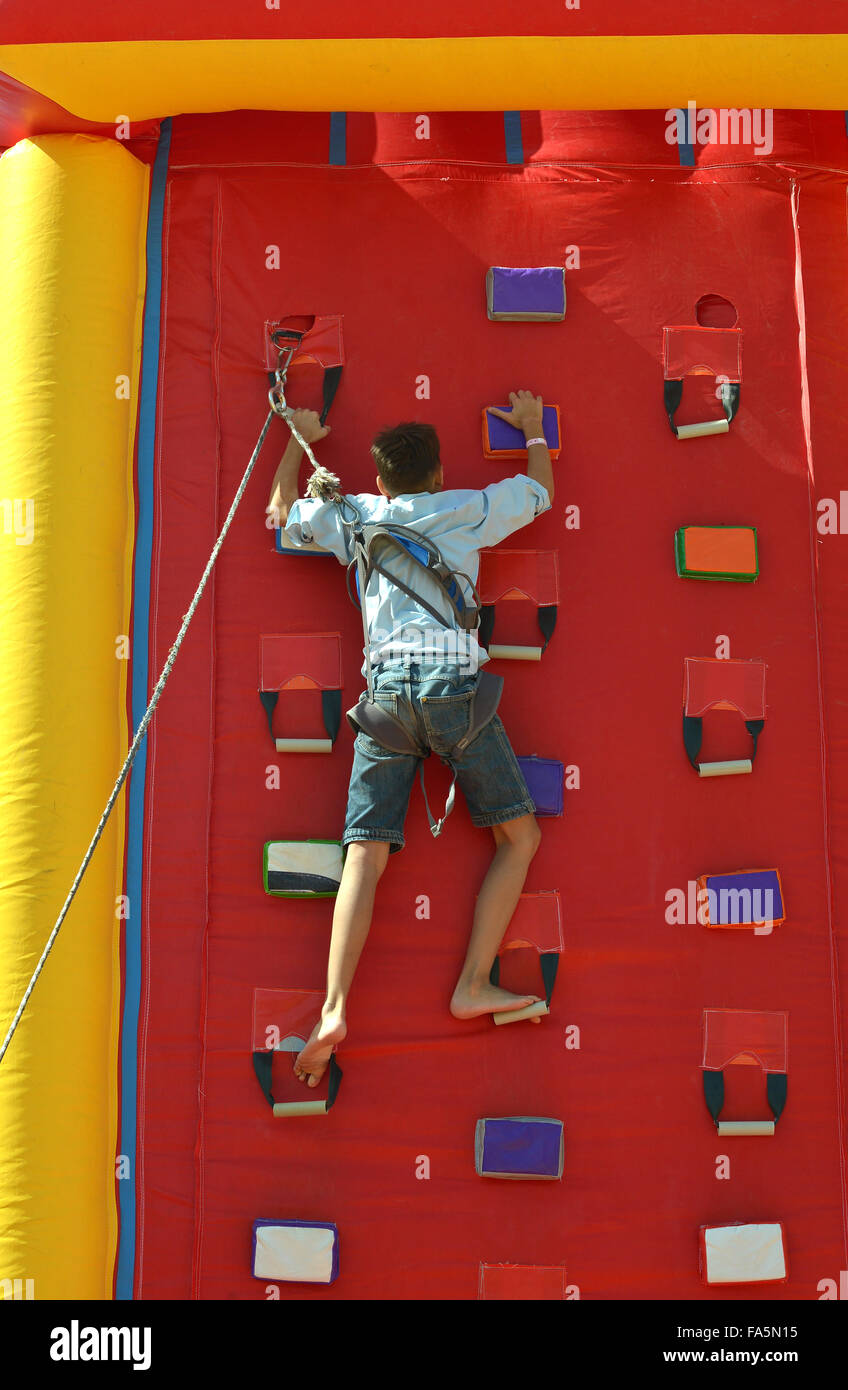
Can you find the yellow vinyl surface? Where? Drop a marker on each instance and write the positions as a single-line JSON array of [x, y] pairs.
[[73, 214], [142, 80]]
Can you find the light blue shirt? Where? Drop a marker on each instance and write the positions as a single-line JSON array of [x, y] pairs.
[[461, 522]]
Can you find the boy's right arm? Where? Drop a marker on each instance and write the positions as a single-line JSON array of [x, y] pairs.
[[284, 489], [526, 415]]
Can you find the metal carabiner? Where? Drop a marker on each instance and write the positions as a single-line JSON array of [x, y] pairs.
[[277, 394], [285, 349]]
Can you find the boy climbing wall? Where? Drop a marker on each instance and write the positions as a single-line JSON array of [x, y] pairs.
[[424, 674]]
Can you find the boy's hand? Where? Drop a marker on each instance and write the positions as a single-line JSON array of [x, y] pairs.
[[308, 424], [526, 413]]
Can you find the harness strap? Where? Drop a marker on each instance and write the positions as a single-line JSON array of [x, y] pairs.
[[374, 566], [436, 826], [373, 719], [484, 702], [391, 535]]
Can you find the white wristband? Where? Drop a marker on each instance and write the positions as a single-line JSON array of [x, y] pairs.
[[536, 441]]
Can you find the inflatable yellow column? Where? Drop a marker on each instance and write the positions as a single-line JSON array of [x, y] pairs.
[[73, 213]]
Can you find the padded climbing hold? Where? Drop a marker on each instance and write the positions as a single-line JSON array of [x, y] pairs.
[[744, 1254], [691, 350], [501, 440], [295, 1252], [520, 1147], [505, 575], [283, 1021], [748, 898], [713, 684], [308, 340], [525, 293], [536, 925], [545, 778], [283, 546], [302, 661], [745, 1037], [717, 552], [302, 868]]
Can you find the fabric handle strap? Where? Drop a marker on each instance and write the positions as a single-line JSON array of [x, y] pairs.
[[331, 711], [262, 1063], [693, 729], [332, 377], [776, 1089], [546, 616], [548, 963], [673, 394]]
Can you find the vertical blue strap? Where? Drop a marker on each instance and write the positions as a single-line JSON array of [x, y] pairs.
[[140, 676], [338, 137], [512, 136], [846, 122], [685, 149]]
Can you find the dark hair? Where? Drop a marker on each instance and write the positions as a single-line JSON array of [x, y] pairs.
[[406, 456]]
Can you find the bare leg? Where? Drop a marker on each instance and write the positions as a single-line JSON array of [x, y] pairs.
[[516, 842], [364, 864]]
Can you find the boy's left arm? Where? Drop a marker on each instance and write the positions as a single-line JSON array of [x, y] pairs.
[[284, 489]]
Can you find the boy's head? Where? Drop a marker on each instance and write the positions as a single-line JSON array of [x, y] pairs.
[[407, 459]]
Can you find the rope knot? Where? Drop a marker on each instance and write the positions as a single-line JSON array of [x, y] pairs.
[[324, 485]]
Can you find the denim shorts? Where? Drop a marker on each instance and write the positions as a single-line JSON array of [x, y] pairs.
[[434, 702]]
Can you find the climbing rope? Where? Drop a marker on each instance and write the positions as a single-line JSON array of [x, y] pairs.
[[321, 484]]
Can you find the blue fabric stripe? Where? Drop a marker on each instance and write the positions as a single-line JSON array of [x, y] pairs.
[[686, 150], [512, 136], [140, 677], [338, 137]]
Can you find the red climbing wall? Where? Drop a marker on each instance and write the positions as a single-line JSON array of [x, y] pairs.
[[399, 242]]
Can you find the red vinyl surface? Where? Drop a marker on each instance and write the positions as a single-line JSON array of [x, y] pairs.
[[401, 248], [228, 19]]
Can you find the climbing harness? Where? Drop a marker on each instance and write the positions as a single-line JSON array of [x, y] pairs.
[[370, 545]]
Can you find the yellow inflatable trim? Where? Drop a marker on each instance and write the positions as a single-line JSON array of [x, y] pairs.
[[108, 82], [73, 214]]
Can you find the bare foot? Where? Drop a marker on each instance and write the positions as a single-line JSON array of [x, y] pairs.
[[470, 1001], [312, 1062]]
